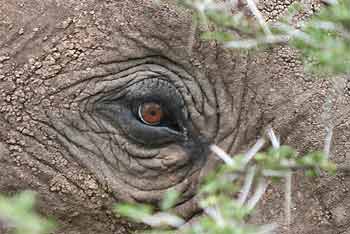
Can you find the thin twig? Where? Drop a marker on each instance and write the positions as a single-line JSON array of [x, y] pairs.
[[192, 35], [162, 218], [253, 150], [214, 214], [288, 197], [222, 154], [328, 141], [252, 43], [259, 17], [247, 185], [273, 138], [259, 192], [273, 173], [268, 228]]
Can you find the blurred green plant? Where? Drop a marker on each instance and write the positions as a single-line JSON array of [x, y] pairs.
[[326, 46], [17, 213], [229, 194], [323, 39]]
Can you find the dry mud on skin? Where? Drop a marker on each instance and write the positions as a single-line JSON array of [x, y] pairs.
[[59, 60]]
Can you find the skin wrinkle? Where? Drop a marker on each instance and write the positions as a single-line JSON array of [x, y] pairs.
[[57, 170], [101, 153], [160, 62], [142, 154], [71, 148], [235, 142], [89, 102], [132, 80], [49, 165], [125, 161], [225, 115], [78, 77], [111, 148], [232, 132], [218, 118], [135, 82], [137, 160], [205, 106], [131, 168], [201, 90], [80, 144], [127, 144], [193, 99], [142, 44]]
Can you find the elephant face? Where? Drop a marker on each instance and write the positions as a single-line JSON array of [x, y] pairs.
[[111, 101], [132, 126], [105, 101]]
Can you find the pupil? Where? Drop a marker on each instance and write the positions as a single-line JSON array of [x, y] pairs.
[[153, 113]]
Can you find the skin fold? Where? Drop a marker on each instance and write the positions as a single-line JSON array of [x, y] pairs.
[[73, 75]]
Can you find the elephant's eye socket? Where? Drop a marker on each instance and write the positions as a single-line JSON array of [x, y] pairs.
[[151, 113]]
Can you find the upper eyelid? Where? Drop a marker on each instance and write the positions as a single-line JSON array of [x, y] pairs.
[[100, 92], [129, 76], [118, 85], [101, 87]]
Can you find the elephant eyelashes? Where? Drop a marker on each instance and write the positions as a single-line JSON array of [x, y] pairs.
[[150, 113]]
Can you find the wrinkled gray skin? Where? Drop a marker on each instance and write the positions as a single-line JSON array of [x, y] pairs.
[[59, 59]]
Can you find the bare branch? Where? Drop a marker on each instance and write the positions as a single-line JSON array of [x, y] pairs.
[[259, 17], [328, 141], [273, 138], [259, 192], [222, 154], [253, 150], [247, 185], [288, 197]]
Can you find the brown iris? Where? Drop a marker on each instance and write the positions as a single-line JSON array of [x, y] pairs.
[[150, 113]]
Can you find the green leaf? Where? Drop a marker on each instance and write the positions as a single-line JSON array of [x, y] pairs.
[[134, 211], [327, 49], [18, 210], [311, 173], [218, 36], [170, 199]]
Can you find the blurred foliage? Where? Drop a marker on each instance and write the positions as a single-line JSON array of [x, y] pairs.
[[17, 212], [326, 47], [323, 40], [229, 194]]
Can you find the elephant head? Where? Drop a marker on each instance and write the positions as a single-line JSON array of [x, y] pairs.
[[105, 101]]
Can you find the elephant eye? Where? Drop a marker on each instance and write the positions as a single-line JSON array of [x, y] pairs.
[[151, 113], [157, 114]]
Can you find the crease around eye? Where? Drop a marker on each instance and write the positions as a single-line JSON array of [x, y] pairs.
[[164, 120]]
